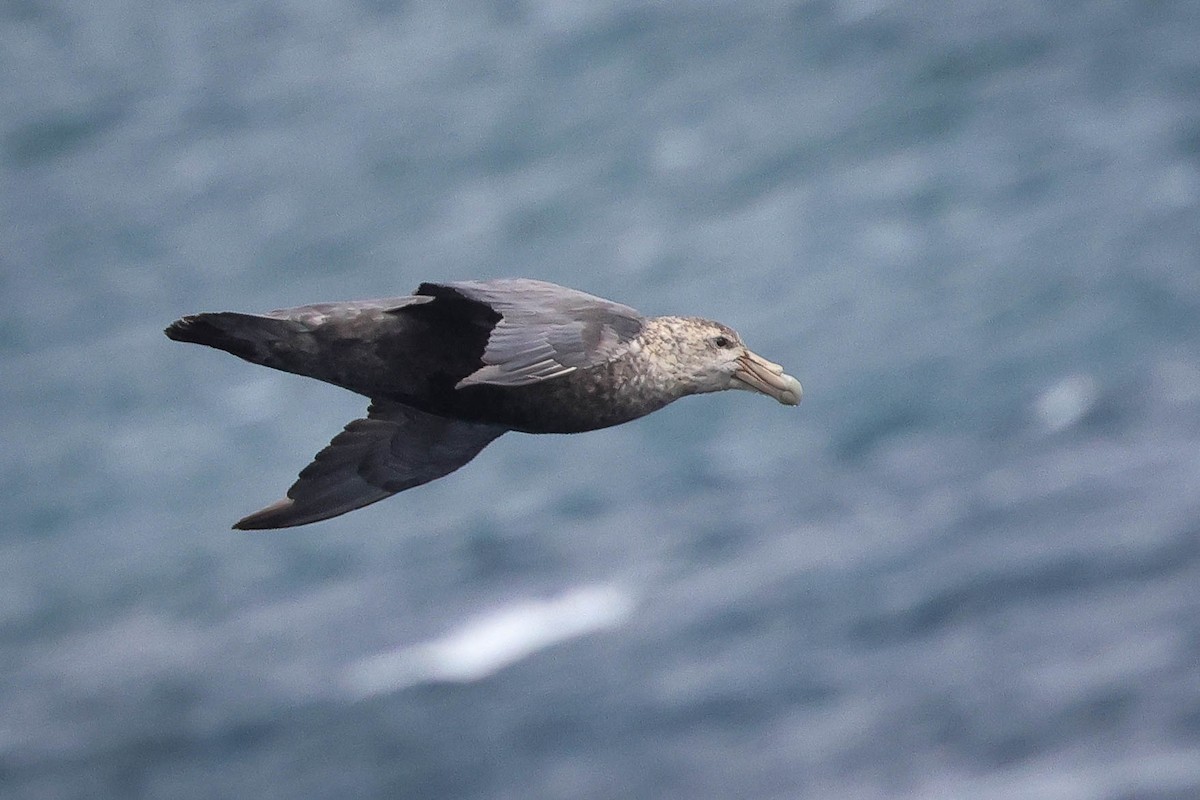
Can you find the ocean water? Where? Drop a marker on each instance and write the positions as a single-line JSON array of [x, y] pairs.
[[967, 566]]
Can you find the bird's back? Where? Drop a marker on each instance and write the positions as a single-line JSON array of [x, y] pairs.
[[428, 351], [408, 349]]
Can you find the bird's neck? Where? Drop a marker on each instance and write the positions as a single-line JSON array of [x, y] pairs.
[[660, 353]]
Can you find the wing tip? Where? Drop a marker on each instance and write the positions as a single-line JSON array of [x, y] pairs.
[[184, 329], [277, 515]]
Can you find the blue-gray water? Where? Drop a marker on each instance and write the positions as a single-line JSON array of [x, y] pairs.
[[967, 566]]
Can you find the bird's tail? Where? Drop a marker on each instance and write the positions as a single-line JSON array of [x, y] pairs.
[[269, 341]]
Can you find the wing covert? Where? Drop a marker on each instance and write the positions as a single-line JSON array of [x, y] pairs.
[[545, 330]]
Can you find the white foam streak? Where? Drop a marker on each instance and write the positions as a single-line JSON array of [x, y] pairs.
[[492, 641], [1067, 402]]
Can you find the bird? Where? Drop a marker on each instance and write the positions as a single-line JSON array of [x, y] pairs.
[[455, 365]]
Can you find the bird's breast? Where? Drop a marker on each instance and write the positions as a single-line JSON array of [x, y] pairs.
[[584, 400]]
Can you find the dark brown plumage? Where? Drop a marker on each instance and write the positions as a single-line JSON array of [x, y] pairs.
[[453, 366]]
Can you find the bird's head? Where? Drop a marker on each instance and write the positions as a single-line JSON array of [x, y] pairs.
[[706, 356]]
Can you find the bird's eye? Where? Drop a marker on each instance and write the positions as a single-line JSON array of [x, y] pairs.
[[722, 341]]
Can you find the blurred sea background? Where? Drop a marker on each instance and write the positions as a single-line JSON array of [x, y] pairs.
[[967, 566]]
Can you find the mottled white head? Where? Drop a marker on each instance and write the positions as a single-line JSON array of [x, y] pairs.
[[700, 356]]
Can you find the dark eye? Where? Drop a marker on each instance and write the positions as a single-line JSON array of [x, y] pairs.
[[722, 341]]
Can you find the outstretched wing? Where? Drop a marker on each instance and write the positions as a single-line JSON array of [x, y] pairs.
[[545, 330], [394, 448]]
